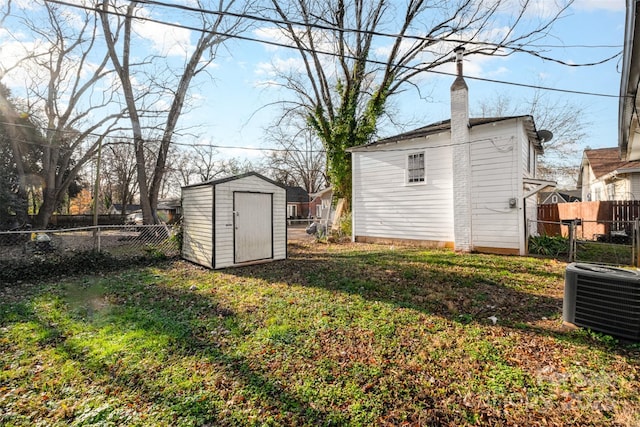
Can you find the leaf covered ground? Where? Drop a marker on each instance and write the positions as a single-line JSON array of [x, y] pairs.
[[335, 335]]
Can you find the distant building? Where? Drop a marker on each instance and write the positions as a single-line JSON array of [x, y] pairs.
[[297, 202], [120, 209], [559, 196], [604, 176]]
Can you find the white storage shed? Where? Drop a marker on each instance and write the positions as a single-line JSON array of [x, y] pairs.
[[234, 221]]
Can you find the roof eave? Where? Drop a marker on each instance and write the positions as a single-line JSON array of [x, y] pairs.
[[628, 103]]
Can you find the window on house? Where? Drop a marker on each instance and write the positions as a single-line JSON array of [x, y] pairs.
[[319, 211], [554, 199], [534, 159], [611, 191], [415, 168]]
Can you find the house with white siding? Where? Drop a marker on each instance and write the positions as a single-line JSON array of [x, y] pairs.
[[466, 183], [605, 176]]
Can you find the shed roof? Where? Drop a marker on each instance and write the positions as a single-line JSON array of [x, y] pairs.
[[215, 182]]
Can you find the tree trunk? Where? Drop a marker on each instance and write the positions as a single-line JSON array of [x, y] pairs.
[[47, 208]]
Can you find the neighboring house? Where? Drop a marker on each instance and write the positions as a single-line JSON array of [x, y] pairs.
[[119, 209], [169, 210], [297, 202], [559, 196], [465, 183], [320, 205], [603, 176], [629, 132]]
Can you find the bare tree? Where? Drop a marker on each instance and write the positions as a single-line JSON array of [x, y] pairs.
[[61, 73], [206, 164], [355, 55], [299, 159], [567, 120], [119, 172], [215, 28]]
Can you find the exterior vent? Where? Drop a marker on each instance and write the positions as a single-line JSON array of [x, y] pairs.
[[604, 299]]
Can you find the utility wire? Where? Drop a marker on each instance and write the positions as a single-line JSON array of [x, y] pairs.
[[382, 63], [517, 47], [127, 140], [153, 2]]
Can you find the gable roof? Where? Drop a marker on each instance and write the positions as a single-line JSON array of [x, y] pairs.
[[604, 161], [445, 125], [565, 195], [215, 182], [128, 208], [297, 195]]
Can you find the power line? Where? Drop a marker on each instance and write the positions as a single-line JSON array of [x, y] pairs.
[[127, 140], [277, 44], [516, 48], [215, 146]]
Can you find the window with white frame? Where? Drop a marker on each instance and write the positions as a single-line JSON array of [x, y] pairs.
[[611, 191], [415, 168]]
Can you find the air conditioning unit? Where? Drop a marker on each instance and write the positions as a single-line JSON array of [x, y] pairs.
[[604, 299]]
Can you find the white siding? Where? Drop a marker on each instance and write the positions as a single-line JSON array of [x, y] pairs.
[[197, 211], [495, 176], [634, 186], [224, 244], [208, 219], [385, 206]]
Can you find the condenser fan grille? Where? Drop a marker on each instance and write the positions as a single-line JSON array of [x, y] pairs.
[[603, 299], [608, 306]]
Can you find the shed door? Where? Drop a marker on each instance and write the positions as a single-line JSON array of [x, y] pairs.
[[253, 217]]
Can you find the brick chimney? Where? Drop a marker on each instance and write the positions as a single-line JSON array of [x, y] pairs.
[[461, 159]]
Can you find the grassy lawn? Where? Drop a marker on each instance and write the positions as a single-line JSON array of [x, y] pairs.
[[335, 335]]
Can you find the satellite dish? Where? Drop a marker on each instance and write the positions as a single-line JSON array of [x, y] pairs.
[[545, 135]]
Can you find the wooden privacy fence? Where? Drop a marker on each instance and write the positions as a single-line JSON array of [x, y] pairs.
[[604, 217]]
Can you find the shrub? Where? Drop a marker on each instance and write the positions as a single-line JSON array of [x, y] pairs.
[[549, 245], [86, 262]]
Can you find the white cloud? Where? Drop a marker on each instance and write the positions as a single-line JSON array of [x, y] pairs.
[[612, 5], [279, 66], [271, 34], [165, 40]]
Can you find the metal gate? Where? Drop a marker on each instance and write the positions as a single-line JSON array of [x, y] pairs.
[[253, 226]]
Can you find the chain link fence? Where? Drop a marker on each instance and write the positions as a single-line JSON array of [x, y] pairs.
[[602, 242], [118, 241]]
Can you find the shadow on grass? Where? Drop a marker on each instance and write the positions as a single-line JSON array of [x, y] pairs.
[[434, 282], [174, 324], [191, 324], [520, 292]]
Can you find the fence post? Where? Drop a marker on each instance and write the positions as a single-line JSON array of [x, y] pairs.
[[572, 241]]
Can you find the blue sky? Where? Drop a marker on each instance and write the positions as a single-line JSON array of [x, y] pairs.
[[237, 118], [233, 107]]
